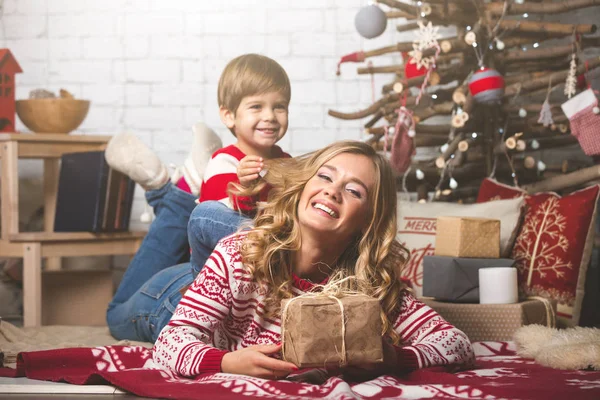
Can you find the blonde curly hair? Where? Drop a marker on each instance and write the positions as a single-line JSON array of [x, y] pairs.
[[375, 257]]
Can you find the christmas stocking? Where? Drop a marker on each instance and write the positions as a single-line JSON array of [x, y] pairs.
[[584, 116], [403, 146]]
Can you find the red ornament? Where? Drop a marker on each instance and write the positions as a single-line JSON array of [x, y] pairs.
[[412, 71], [8, 68], [486, 86]]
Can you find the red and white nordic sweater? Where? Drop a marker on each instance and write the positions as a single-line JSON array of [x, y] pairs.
[[221, 170], [223, 311]]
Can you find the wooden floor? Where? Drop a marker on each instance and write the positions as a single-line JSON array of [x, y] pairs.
[[24, 388]]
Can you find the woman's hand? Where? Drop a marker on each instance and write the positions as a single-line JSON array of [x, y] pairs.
[[255, 361], [249, 169]]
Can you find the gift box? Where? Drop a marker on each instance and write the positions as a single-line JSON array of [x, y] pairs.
[[467, 237], [320, 330], [456, 279], [482, 322]]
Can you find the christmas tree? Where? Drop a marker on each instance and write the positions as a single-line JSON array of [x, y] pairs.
[[490, 98]]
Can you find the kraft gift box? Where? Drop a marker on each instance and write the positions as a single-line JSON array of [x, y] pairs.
[[312, 331], [467, 237], [498, 322]]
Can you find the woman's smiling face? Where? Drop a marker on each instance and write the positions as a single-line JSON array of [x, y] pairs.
[[335, 201]]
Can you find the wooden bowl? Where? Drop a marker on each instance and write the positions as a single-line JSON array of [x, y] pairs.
[[59, 115]]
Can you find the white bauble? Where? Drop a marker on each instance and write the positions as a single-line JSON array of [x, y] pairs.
[[370, 21]]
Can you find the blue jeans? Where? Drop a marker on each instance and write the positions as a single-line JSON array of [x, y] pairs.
[[210, 222], [149, 290]]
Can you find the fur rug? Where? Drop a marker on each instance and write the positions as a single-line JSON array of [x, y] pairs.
[[573, 348], [14, 340]]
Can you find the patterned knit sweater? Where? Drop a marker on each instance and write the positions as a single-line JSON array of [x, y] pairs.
[[223, 311], [222, 170]]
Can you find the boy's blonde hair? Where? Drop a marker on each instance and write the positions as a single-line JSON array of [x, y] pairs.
[[375, 257], [249, 75]]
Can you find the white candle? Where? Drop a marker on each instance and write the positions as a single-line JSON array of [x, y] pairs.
[[498, 286]]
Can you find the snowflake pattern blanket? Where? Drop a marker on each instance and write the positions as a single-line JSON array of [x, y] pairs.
[[499, 374]]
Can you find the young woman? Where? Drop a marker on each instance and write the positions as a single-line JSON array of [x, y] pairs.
[[333, 210]]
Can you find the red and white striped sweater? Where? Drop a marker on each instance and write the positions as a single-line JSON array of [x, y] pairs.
[[221, 170], [223, 311]]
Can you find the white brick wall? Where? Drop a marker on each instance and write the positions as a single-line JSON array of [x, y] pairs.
[[151, 67]]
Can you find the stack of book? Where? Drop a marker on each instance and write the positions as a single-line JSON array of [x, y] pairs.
[[92, 197]]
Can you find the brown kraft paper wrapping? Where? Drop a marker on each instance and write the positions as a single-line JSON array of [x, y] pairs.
[[467, 237], [312, 331]]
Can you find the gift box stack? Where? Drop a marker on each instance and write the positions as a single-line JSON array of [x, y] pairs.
[[451, 281]]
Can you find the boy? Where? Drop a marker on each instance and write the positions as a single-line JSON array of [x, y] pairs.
[[254, 93]]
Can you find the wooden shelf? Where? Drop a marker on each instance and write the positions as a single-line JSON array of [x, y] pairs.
[[33, 246]]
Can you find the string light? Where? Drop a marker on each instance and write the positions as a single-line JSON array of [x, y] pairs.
[[453, 184], [525, 15], [469, 27], [536, 45], [541, 166], [444, 148], [420, 174], [535, 144], [434, 96]]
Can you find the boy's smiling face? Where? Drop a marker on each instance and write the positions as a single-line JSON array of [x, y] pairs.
[[259, 122]]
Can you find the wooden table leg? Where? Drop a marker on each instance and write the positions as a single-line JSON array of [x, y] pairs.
[[32, 284], [10, 189], [51, 173]]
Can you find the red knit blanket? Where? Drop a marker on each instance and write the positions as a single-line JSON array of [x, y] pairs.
[[499, 374]]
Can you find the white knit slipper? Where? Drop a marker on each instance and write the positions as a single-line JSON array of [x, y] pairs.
[[129, 155], [204, 144]]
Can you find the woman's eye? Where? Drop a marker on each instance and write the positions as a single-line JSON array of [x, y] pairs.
[[325, 177], [255, 106], [355, 193]]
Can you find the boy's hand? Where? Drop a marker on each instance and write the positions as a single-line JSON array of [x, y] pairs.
[[257, 361], [249, 169]]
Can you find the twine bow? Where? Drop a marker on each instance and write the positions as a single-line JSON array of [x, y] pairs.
[[333, 289]]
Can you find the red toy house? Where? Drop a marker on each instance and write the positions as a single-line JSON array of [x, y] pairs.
[[8, 68]]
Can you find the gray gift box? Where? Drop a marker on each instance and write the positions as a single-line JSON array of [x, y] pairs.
[[456, 279]]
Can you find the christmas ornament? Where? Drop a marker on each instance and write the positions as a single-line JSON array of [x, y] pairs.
[[545, 114], [571, 82], [585, 124], [426, 37], [370, 21], [412, 69], [403, 146], [420, 174], [453, 184], [522, 112], [535, 144], [500, 44], [486, 86]]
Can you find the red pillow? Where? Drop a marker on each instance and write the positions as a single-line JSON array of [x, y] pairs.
[[554, 244]]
